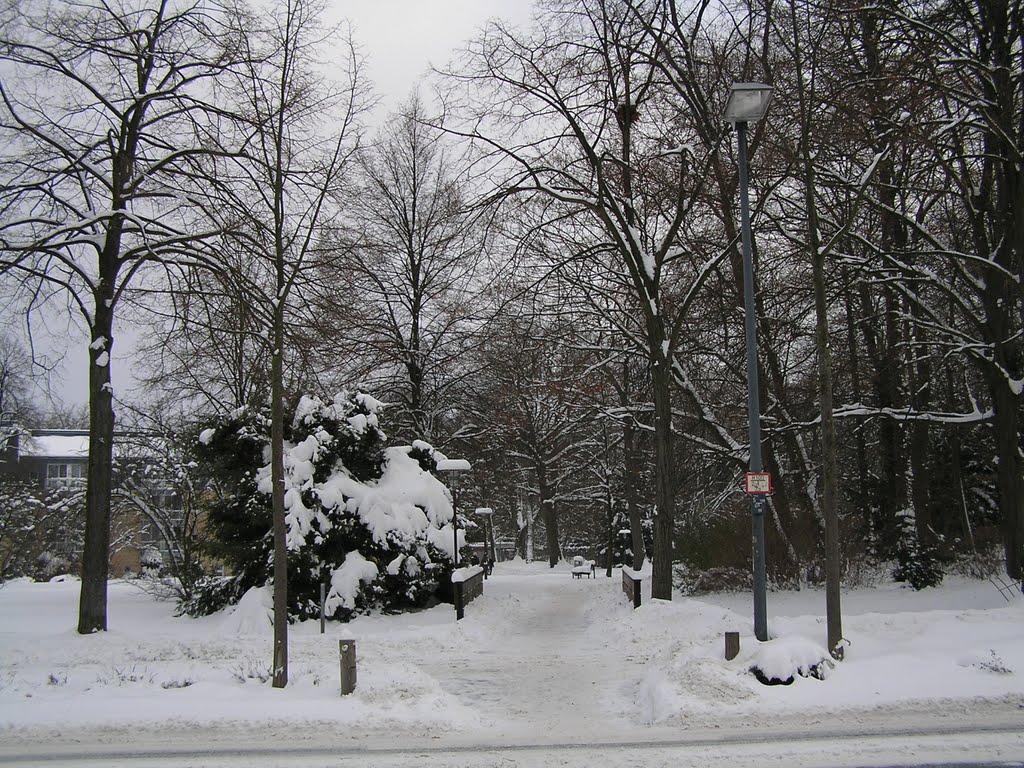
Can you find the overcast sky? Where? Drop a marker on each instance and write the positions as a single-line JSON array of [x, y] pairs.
[[401, 39]]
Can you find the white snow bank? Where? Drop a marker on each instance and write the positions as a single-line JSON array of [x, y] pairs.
[[787, 658], [253, 614]]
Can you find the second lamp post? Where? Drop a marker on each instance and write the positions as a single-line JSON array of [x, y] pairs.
[[749, 102], [453, 469]]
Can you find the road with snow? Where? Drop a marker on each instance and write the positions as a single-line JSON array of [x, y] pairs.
[[791, 750]]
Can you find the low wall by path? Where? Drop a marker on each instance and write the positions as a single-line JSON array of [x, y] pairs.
[[467, 584]]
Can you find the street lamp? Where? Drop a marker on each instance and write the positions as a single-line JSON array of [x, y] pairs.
[[453, 469], [749, 102]]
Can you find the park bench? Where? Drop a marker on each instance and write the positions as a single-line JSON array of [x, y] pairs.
[[581, 568]]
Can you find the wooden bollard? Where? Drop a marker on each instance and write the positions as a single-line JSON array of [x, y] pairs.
[[732, 645], [323, 604], [347, 649]]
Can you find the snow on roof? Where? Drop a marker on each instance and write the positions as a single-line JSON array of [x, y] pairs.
[[56, 446]]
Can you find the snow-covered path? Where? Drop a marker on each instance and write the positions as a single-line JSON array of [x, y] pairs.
[[549, 675]]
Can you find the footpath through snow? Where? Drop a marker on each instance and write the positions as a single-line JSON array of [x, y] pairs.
[[549, 673], [540, 658]]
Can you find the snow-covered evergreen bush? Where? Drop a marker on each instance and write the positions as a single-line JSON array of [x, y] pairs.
[[150, 562], [369, 521], [917, 562], [209, 595], [48, 565]]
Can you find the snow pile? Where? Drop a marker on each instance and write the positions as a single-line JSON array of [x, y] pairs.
[[903, 647], [253, 614], [686, 674], [465, 574], [781, 660]]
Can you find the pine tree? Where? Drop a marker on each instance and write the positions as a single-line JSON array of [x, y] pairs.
[[364, 519]]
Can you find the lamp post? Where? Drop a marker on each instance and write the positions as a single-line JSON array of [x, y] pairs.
[[749, 102], [453, 469]]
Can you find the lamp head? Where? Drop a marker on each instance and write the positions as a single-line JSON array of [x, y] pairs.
[[747, 102], [453, 469]]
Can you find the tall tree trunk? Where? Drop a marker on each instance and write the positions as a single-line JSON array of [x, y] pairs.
[[1006, 405], [610, 559], [529, 537], [1003, 297], [631, 465], [957, 482], [421, 424], [550, 513], [520, 545], [887, 496], [856, 387], [882, 345], [92, 606], [829, 449], [277, 500], [920, 438], [664, 488], [823, 348], [626, 115]]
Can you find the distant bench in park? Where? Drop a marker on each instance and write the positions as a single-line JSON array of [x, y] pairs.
[[581, 568]]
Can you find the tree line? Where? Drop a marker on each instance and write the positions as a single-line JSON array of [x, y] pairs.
[[538, 266]]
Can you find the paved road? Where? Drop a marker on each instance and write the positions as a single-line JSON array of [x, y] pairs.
[[1003, 746]]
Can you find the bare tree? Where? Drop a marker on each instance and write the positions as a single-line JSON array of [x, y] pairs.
[[16, 407], [581, 109], [414, 269], [207, 349], [524, 406], [101, 104], [160, 481], [296, 135]]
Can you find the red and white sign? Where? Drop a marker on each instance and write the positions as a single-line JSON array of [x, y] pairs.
[[759, 482]]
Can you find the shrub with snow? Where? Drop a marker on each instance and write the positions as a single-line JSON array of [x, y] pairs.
[[721, 579], [782, 660], [917, 561], [151, 562], [253, 614], [49, 566], [366, 520]]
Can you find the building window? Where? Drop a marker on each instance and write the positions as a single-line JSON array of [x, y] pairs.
[[65, 475]]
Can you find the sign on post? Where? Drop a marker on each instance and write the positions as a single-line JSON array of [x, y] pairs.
[[759, 483]]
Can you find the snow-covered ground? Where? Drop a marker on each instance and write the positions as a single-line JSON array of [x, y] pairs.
[[541, 658]]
